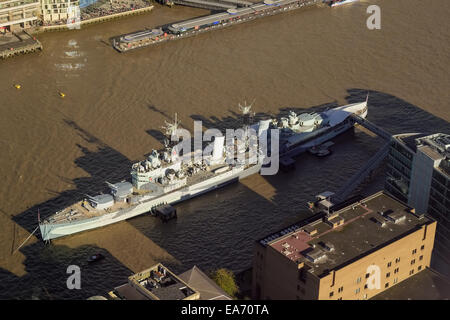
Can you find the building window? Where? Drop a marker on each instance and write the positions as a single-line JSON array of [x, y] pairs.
[[388, 275], [422, 247], [341, 289], [358, 280], [367, 275], [397, 260], [386, 285], [414, 251], [411, 272], [357, 291], [419, 268], [302, 275], [331, 294], [421, 258], [389, 264], [413, 261], [396, 270], [395, 280]]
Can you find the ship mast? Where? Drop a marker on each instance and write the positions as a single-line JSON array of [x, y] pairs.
[[171, 129], [247, 113]]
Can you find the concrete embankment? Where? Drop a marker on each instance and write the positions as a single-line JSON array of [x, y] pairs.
[[25, 41], [94, 20]]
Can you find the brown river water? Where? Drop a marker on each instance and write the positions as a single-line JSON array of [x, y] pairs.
[[53, 150]]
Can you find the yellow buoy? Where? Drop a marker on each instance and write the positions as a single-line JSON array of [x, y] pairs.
[[62, 94], [17, 86]]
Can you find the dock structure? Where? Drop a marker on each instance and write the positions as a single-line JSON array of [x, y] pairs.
[[214, 4], [21, 43], [238, 3], [370, 165], [210, 5], [237, 11]]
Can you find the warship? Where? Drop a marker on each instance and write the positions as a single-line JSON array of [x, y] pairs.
[[165, 177]]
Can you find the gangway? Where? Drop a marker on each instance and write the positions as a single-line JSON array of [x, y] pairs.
[[359, 177], [372, 127], [370, 166]]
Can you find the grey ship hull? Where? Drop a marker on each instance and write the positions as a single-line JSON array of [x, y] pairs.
[[56, 230]]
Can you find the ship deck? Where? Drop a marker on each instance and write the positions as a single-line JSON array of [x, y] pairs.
[[79, 211]]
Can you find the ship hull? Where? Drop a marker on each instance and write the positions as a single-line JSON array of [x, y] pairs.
[[56, 230]]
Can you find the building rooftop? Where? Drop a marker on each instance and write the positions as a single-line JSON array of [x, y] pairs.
[[193, 282], [436, 146], [425, 285], [409, 139], [326, 242], [157, 283], [207, 288]]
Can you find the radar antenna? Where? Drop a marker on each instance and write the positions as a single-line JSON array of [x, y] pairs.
[[247, 112], [246, 109], [171, 127]]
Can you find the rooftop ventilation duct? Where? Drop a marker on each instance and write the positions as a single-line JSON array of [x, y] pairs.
[[396, 217], [315, 255]]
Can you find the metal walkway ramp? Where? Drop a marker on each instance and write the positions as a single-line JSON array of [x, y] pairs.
[[359, 177], [372, 127], [370, 166]]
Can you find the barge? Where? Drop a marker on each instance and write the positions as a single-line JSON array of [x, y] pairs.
[[195, 26]]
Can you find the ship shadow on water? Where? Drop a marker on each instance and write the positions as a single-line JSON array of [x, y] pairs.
[[396, 115], [217, 229], [47, 273], [103, 164]]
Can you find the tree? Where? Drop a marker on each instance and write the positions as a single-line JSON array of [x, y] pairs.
[[225, 279]]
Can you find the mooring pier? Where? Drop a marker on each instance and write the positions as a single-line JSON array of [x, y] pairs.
[[237, 11], [19, 43], [214, 4]]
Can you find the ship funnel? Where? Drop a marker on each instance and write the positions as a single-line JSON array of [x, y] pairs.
[[263, 126], [218, 148]]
